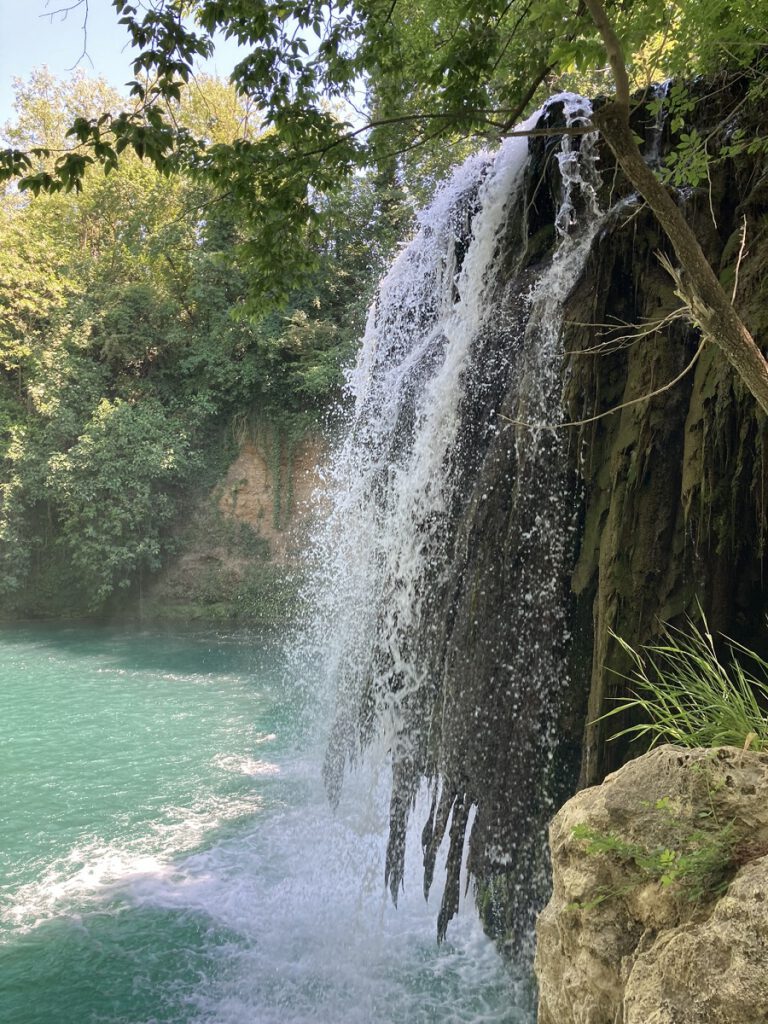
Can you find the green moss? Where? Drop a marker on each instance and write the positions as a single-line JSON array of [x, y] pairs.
[[267, 597]]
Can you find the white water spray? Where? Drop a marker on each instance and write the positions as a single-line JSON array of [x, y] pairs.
[[402, 479]]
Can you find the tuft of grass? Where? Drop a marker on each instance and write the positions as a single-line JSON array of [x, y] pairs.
[[687, 696]]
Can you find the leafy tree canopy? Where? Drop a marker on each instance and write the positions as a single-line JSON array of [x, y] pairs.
[[356, 83], [122, 315], [126, 351]]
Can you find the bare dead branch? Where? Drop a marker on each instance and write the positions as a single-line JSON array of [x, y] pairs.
[[740, 257], [635, 334], [616, 408], [65, 12]]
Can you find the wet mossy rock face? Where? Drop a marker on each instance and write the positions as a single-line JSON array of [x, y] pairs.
[[673, 489], [669, 511]]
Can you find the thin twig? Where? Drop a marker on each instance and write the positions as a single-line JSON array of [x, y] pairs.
[[741, 256], [390, 12], [709, 187], [64, 12], [617, 408], [637, 334], [511, 36], [449, 116]]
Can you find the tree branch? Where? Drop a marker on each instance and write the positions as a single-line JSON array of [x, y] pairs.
[[614, 408], [447, 117], [697, 284], [613, 49], [64, 12], [517, 113]]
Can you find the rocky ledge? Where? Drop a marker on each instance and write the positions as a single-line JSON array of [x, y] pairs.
[[659, 911]]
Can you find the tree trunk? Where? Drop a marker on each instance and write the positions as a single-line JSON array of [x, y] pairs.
[[698, 286]]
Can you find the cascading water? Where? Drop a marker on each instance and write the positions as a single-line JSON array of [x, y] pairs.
[[653, 147], [442, 597]]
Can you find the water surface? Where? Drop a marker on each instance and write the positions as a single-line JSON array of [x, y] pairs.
[[167, 854]]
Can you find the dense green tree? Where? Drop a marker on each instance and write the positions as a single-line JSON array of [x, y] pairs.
[[128, 286], [126, 350]]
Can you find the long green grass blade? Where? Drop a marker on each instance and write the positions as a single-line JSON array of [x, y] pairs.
[[686, 695]]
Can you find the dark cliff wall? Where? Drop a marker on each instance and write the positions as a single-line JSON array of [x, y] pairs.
[[668, 496], [673, 503]]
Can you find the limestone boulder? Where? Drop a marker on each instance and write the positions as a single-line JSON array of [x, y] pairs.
[[659, 910], [711, 972]]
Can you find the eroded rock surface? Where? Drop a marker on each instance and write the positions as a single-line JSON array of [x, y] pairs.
[[619, 943]]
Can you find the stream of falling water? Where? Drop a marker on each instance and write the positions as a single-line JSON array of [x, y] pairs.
[[462, 353]]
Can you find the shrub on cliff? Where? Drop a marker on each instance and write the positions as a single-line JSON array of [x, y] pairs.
[[685, 693]]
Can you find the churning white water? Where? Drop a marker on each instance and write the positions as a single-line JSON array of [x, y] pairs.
[[168, 853]]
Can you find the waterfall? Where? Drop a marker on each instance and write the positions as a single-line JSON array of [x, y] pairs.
[[655, 137], [442, 596]]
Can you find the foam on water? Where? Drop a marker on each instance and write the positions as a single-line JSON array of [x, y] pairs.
[[94, 871], [308, 946], [252, 903]]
